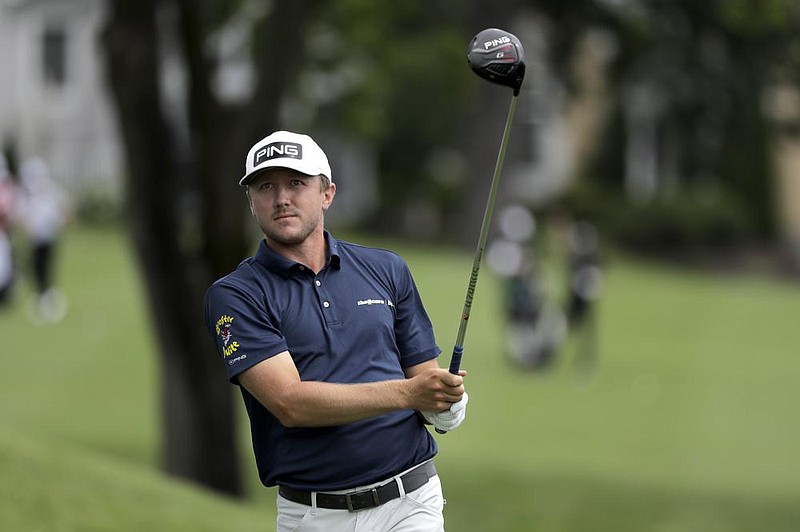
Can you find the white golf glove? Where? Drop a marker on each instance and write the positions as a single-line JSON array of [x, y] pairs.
[[448, 419]]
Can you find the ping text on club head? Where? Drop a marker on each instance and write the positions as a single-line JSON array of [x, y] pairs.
[[505, 39]]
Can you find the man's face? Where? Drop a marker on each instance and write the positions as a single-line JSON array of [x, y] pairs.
[[289, 205]]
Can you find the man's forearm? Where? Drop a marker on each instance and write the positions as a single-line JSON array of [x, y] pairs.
[[297, 403], [320, 404]]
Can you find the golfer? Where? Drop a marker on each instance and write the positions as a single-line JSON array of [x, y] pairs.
[[335, 358]]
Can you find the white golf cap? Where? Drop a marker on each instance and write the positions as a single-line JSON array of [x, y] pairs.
[[285, 149]]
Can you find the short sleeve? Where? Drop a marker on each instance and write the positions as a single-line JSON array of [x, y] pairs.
[[413, 327], [240, 324]]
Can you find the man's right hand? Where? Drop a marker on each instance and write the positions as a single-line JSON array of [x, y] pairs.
[[435, 389]]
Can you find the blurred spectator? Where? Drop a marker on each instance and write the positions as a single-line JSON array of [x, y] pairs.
[[584, 278], [6, 255], [535, 328], [43, 212]]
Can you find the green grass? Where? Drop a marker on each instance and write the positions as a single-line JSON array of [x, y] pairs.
[[689, 422], [48, 488], [92, 378]]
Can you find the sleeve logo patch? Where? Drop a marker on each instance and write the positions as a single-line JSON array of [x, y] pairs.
[[223, 329]]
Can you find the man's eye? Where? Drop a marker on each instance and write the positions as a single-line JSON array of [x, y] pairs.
[[297, 182], [267, 185]]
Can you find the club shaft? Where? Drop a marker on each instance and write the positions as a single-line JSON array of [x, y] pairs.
[[458, 349]]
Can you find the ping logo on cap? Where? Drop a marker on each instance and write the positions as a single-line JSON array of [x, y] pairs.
[[278, 150]]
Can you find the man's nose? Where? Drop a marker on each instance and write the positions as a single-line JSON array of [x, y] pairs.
[[282, 195]]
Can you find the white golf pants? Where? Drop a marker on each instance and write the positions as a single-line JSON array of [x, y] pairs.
[[418, 511]]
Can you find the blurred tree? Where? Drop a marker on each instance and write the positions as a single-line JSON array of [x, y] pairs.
[[187, 216], [689, 82], [413, 87]]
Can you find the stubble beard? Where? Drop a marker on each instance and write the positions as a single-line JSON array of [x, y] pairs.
[[290, 236]]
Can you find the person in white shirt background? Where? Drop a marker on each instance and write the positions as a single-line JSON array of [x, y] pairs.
[[43, 211]]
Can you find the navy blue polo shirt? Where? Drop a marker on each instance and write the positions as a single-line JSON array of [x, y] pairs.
[[358, 320]]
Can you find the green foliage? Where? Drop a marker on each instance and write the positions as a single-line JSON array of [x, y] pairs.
[[760, 18], [99, 207], [702, 217], [686, 223], [705, 67], [413, 84], [410, 59], [746, 166]]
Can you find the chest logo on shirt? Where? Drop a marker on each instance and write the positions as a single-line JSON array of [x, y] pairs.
[[362, 302], [223, 329]]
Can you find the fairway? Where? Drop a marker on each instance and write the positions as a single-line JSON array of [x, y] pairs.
[[689, 422]]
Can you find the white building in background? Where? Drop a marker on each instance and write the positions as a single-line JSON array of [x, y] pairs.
[[54, 103]]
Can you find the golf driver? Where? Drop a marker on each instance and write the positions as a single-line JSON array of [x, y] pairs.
[[495, 55]]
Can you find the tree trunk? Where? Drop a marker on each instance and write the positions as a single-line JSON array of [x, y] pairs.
[[199, 436]]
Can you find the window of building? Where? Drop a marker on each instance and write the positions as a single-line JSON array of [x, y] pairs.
[[55, 56]]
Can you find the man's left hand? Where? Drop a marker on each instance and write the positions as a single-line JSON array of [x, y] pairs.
[[449, 419]]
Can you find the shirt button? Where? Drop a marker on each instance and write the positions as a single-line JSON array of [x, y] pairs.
[[317, 283], [302, 268], [326, 304]]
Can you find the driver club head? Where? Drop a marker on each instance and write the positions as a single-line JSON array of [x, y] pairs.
[[497, 55]]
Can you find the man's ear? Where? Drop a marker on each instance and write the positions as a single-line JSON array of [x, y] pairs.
[[250, 202], [330, 192]]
